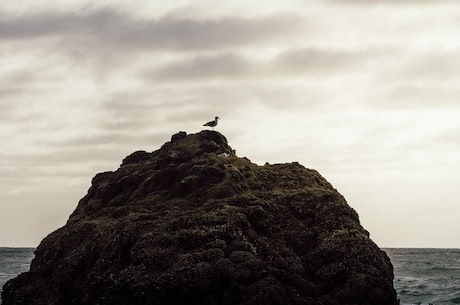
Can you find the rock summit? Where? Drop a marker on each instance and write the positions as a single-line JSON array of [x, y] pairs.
[[193, 224]]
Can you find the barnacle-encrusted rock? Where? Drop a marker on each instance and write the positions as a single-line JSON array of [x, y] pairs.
[[192, 223]]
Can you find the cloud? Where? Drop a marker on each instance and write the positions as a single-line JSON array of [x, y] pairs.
[[416, 79], [49, 24], [449, 138], [412, 96], [374, 81], [63, 158], [131, 111], [12, 106], [434, 66], [188, 34], [112, 29], [226, 65], [91, 140], [168, 104], [6, 105], [6, 92], [41, 25], [320, 60], [293, 63]]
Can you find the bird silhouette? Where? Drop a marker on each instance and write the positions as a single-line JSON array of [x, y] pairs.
[[212, 123]]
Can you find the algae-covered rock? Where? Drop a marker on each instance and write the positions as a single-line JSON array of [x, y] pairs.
[[192, 223]]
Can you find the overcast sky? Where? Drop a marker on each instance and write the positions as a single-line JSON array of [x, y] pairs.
[[367, 94]]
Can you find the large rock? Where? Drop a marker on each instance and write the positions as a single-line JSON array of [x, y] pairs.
[[191, 223]]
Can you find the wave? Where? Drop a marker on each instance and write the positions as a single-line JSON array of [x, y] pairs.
[[426, 276]]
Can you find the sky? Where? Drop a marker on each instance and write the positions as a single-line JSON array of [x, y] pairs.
[[365, 92]]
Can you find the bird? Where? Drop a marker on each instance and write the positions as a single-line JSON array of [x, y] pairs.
[[212, 123]]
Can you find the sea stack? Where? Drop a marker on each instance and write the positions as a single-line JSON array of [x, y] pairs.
[[194, 224]]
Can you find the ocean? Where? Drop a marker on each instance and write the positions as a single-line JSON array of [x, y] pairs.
[[426, 276], [12, 262], [422, 276]]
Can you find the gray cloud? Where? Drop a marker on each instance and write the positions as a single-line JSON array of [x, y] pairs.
[[9, 92], [291, 63], [227, 65], [315, 60], [207, 34], [417, 80], [6, 105], [5, 113], [133, 110], [129, 111], [113, 29], [46, 24], [64, 155], [11, 80], [99, 142], [12, 105], [88, 140]]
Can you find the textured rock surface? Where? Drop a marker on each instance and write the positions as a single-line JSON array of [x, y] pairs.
[[188, 225]]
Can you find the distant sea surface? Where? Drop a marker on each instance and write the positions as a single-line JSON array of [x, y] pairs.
[[422, 276], [12, 262], [426, 276]]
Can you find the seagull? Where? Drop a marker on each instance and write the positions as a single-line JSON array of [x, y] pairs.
[[212, 123]]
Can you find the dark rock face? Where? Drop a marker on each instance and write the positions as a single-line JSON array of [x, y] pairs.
[[189, 224]]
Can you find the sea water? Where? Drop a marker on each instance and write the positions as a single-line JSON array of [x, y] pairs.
[[422, 276], [12, 262], [426, 276]]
